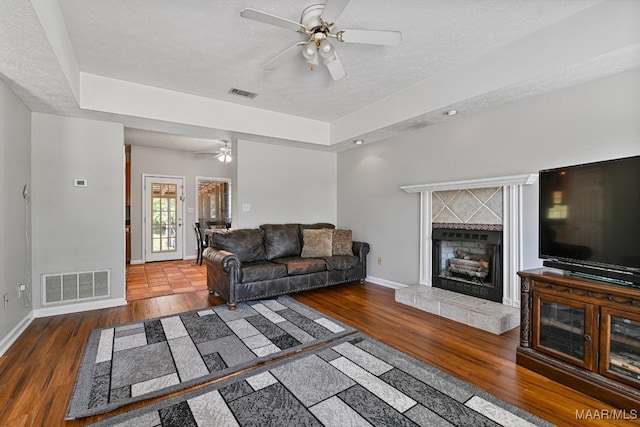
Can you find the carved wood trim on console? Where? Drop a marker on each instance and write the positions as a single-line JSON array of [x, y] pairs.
[[525, 313], [632, 299]]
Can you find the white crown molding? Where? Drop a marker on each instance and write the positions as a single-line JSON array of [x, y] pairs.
[[500, 181]]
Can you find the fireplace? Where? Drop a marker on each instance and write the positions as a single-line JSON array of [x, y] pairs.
[[440, 205], [468, 261]]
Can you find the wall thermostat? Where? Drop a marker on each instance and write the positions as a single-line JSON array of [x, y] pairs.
[[79, 182]]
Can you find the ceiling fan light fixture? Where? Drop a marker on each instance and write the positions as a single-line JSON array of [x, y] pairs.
[[326, 49], [224, 154], [310, 52], [225, 158]]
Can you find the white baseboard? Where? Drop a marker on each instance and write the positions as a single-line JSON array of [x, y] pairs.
[[76, 308], [386, 283], [15, 333]]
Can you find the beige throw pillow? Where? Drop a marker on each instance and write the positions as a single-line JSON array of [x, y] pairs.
[[341, 242], [316, 243]]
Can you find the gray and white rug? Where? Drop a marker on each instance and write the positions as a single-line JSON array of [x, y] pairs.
[[353, 381], [135, 361]]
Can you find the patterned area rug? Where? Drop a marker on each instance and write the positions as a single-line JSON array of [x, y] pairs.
[[139, 360], [354, 381]]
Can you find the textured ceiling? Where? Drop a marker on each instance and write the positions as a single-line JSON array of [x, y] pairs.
[[204, 48]]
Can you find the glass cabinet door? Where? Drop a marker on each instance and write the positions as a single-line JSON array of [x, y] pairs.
[[620, 345], [564, 329]]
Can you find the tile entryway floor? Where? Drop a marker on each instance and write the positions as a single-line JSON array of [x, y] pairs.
[[155, 279]]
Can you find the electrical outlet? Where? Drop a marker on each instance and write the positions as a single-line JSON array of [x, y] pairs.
[[379, 260], [6, 300]]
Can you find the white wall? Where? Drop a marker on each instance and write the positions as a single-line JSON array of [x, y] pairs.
[[161, 161], [74, 228], [284, 185], [15, 219], [589, 122]]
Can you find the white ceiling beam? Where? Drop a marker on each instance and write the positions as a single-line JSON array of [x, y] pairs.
[[109, 95]]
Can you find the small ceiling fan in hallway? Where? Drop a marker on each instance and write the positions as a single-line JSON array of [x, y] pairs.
[[318, 25], [224, 153]]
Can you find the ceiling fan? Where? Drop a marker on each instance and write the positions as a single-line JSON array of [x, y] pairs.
[[318, 24], [223, 153]]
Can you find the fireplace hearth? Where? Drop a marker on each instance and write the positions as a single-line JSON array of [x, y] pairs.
[[468, 262]]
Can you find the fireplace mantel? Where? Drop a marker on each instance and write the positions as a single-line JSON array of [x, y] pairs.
[[500, 181], [512, 225]]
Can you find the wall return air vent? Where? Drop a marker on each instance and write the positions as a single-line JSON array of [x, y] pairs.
[[79, 286]]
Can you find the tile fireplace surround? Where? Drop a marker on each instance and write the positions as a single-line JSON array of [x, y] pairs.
[[473, 204]]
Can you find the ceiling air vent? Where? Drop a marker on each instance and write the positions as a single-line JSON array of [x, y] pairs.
[[244, 93]]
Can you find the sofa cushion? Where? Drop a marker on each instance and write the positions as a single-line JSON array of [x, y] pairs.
[[341, 262], [262, 270], [298, 265], [317, 243], [341, 242], [281, 240], [247, 244], [315, 226]]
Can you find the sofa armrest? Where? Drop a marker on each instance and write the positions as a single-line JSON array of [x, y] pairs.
[[224, 272], [361, 249], [225, 260]]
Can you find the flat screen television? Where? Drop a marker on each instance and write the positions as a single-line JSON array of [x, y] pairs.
[[589, 219]]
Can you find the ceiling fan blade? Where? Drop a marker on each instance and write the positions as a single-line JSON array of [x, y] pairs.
[[380, 37], [267, 18], [335, 68], [332, 10], [283, 57]]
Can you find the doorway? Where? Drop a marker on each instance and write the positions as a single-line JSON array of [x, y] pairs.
[[213, 202], [163, 231]]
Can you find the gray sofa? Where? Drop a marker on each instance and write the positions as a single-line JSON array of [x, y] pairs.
[[274, 259]]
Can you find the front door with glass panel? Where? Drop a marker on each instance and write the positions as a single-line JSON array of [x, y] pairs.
[[163, 218]]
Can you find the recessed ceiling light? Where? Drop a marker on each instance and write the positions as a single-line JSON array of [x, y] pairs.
[[358, 142], [450, 113]]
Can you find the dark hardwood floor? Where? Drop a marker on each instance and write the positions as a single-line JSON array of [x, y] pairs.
[[37, 373]]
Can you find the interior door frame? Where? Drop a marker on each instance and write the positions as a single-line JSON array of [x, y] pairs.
[[181, 209], [209, 178]]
